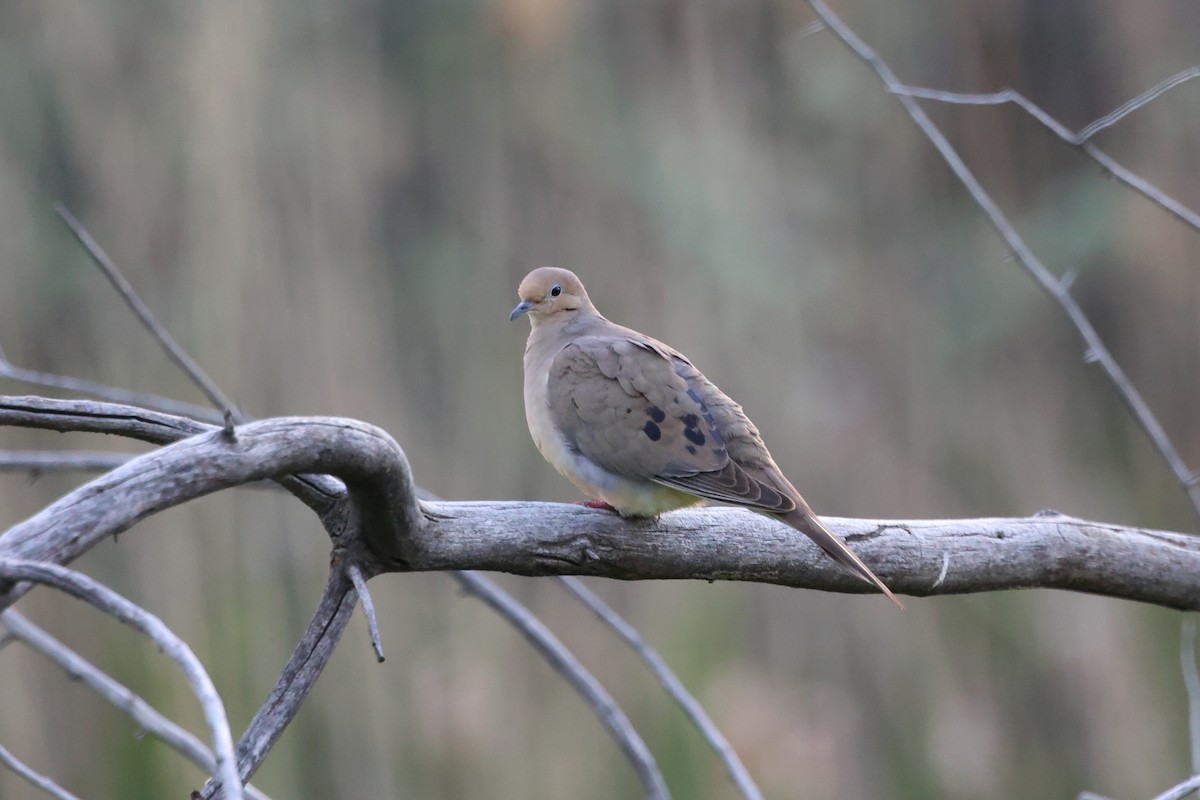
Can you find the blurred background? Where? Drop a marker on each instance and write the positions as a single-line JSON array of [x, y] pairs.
[[331, 203]]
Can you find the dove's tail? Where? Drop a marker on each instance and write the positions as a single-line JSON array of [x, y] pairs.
[[803, 520]]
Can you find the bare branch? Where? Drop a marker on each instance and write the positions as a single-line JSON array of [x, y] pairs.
[[673, 686], [37, 462], [1110, 119], [322, 493], [101, 597], [306, 664], [113, 394], [543, 538], [176, 353], [147, 718], [364, 596], [1181, 790], [1051, 285], [567, 665], [1078, 140], [40, 781], [979, 555], [368, 461], [1191, 681]]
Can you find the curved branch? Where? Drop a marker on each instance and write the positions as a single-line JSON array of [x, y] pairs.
[[148, 719], [916, 557], [569, 667], [322, 493], [101, 597], [40, 781], [671, 684], [365, 458]]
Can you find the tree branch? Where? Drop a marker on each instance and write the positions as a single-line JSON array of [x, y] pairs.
[[40, 781], [299, 675], [147, 718], [543, 538], [1095, 351], [101, 597], [1078, 140], [977, 555], [367, 460], [39, 462], [112, 394], [564, 662], [176, 353], [671, 685]]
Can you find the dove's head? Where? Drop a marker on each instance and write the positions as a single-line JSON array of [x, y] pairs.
[[550, 293]]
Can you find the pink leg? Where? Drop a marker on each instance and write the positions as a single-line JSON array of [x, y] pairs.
[[599, 504]]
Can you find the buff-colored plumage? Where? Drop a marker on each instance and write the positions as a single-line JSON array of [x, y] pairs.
[[631, 422]]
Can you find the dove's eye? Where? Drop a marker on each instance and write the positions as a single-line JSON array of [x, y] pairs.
[[555, 290]]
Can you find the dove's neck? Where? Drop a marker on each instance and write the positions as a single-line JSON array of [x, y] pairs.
[[549, 335]]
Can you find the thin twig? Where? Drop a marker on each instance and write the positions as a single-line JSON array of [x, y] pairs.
[[49, 380], [40, 781], [816, 26], [1095, 349], [176, 353], [673, 686], [147, 718], [364, 596], [41, 461], [1112, 118], [1182, 790], [1191, 681], [568, 666], [101, 597], [1078, 140]]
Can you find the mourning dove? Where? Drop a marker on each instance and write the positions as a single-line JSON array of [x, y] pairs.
[[633, 424]]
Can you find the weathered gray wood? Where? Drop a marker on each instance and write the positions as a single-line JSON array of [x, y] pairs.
[[914, 557], [376, 523], [99, 596]]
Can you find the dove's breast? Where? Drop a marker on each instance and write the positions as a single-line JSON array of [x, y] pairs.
[[632, 498]]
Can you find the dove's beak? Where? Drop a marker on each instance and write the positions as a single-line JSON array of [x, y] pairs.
[[521, 308]]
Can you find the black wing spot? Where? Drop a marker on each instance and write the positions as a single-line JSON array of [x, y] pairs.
[[691, 449], [691, 429], [656, 413], [652, 431]]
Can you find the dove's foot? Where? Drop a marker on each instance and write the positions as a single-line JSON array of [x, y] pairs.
[[598, 504]]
